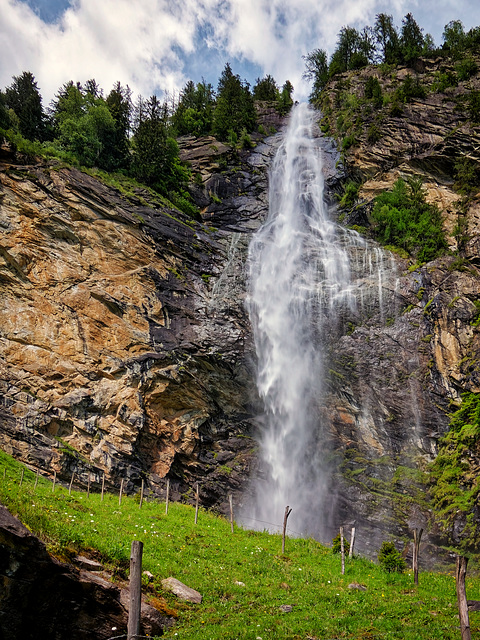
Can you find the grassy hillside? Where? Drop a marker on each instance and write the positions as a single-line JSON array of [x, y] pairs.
[[243, 577]]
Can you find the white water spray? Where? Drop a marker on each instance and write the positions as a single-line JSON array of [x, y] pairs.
[[301, 288]]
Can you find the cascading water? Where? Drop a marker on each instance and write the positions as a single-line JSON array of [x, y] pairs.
[[301, 292]]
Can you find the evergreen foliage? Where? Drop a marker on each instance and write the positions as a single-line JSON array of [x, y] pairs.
[[119, 103], [387, 38], [454, 486], [337, 545], [316, 63], [285, 101], [84, 124], [404, 219], [234, 110], [390, 559], [24, 99], [373, 91], [4, 117], [194, 114], [411, 39], [265, 89], [155, 158]]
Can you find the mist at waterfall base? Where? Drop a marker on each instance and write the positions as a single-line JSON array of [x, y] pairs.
[[301, 295]]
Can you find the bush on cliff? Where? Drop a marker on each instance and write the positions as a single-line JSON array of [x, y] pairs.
[[404, 219]]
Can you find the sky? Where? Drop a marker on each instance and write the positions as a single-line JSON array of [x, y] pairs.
[[156, 46]]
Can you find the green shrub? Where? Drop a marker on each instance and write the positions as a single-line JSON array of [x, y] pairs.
[[337, 545], [373, 134], [403, 218], [466, 68], [390, 559], [454, 488], [396, 109], [473, 105], [350, 194], [246, 141], [443, 80], [373, 91], [409, 89], [348, 142]]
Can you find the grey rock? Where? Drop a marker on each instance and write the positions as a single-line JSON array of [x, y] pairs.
[[187, 594]]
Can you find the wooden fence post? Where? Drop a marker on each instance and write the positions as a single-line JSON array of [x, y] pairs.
[[103, 485], [141, 495], [197, 500], [230, 500], [54, 480], [417, 536], [21, 478], [135, 590], [70, 485], [168, 495], [342, 549], [36, 480], [352, 542], [288, 511], [460, 574], [120, 493], [88, 485]]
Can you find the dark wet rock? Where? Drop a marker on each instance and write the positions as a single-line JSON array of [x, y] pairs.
[[44, 599]]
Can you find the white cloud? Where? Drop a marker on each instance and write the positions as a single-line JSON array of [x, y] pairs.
[[143, 43]]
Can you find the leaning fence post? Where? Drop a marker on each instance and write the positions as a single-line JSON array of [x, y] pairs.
[[120, 493], [141, 494], [135, 590], [230, 500], [288, 511], [460, 574], [54, 480], [417, 536], [168, 495], [342, 549], [36, 480], [21, 478], [70, 485], [103, 485], [197, 500], [352, 542]]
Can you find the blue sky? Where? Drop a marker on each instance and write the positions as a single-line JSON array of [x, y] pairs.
[[157, 45]]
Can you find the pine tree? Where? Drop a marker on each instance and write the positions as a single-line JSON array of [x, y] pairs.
[[411, 39], [24, 98], [234, 110]]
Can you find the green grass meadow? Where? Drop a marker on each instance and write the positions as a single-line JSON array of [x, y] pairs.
[[243, 577]]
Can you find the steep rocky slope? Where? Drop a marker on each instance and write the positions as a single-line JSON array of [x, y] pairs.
[[125, 346], [126, 349], [399, 376]]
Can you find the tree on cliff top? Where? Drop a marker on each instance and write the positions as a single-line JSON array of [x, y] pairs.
[[194, 113], [234, 110], [316, 69], [23, 97], [411, 39], [387, 38], [155, 160], [265, 89]]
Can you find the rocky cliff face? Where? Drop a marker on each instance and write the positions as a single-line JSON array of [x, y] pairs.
[[401, 374], [125, 346], [126, 349]]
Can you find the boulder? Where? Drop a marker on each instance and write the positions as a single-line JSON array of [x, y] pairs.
[[181, 590]]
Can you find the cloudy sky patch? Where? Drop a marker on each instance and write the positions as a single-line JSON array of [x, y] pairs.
[[157, 45]]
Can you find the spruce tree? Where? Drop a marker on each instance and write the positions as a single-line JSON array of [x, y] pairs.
[[24, 98]]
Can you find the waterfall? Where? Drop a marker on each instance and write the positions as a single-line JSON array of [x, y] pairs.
[[301, 293]]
